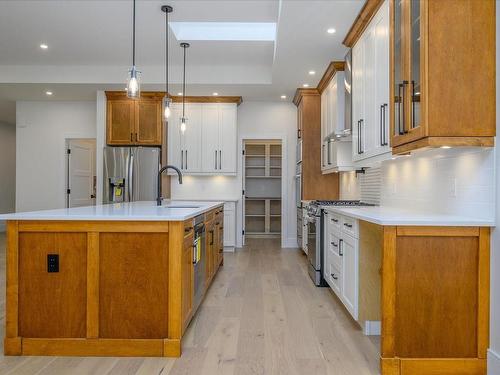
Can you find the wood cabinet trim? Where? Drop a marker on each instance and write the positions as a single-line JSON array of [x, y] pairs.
[[483, 292], [362, 20], [92, 284], [159, 95], [300, 93], [333, 68], [426, 231], [388, 292], [436, 142], [94, 226], [12, 281]]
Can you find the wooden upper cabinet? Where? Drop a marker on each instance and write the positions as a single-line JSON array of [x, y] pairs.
[[148, 122], [120, 122], [442, 77], [134, 122]]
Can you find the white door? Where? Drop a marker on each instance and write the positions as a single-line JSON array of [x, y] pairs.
[[357, 96], [175, 147], [349, 250], [229, 228], [382, 83], [369, 124], [81, 173], [192, 139], [227, 138], [210, 135]]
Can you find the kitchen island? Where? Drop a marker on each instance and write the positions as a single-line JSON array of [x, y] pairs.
[[111, 280]]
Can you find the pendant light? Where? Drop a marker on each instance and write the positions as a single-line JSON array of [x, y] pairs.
[[183, 119], [166, 100], [133, 82]]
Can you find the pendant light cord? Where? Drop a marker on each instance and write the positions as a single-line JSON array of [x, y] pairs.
[[133, 35], [166, 55], [184, 83]]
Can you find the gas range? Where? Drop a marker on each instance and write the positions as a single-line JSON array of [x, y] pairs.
[[314, 207]]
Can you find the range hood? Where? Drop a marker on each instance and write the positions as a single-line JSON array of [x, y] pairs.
[[345, 132]]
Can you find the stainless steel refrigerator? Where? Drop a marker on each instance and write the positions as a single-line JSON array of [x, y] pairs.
[[130, 174]]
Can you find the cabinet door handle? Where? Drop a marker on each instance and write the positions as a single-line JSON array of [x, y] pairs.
[[328, 152], [215, 159], [381, 126], [220, 159], [298, 133], [361, 123], [348, 225], [131, 137], [404, 107], [335, 220], [186, 159], [359, 137], [413, 104], [182, 159], [323, 155], [136, 139], [384, 122], [400, 101], [334, 244], [211, 237], [341, 248], [334, 277]]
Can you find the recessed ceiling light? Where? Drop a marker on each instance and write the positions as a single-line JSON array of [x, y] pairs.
[[445, 146], [305, 85], [283, 96], [312, 72], [215, 94], [49, 93], [331, 30], [179, 93], [44, 46]]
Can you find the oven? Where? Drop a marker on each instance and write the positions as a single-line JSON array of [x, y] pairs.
[[315, 244]]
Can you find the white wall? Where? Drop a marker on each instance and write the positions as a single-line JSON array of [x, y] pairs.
[[42, 128], [7, 169], [454, 181], [256, 120], [494, 351]]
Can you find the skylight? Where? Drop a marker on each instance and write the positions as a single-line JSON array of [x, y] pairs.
[[245, 31]]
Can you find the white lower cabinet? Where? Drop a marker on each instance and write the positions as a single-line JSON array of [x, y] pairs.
[[341, 260], [229, 226]]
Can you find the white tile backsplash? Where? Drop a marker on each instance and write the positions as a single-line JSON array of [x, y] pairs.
[[448, 181]]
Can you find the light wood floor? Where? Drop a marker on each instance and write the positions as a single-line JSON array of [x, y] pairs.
[[262, 315]]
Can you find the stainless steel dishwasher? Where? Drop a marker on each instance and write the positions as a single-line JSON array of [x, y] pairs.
[[199, 258]]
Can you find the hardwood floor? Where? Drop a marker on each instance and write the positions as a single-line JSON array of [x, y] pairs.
[[262, 315]]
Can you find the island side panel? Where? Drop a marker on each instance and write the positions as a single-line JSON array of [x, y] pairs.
[[12, 341], [435, 300]]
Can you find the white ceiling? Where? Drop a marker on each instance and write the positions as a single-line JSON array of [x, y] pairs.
[[90, 47]]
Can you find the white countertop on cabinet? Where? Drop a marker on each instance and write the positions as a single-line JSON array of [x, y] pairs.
[[133, 211], [393, 216]]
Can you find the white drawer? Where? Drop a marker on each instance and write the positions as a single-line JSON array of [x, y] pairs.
[[350, 226], [334, 220], [334, 278], [333, 250]]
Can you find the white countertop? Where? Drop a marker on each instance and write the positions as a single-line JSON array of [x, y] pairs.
[[393, 216], [133, 211]]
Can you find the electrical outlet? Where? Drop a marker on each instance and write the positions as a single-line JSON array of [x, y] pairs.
[[52, 263]]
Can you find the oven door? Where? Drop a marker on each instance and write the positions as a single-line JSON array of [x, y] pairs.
[[311, 242]]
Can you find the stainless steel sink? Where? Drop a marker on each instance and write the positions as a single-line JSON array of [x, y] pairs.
[[179, 206]]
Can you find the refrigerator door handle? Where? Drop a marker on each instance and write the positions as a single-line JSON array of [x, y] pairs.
[[131, 178]]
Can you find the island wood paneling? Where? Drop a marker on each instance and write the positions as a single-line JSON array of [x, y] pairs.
[[133, 287], [52, 305]]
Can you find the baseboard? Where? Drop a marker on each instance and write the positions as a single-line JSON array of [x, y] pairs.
[[493, 362], [372, 328], [290, 243], [229, 249]]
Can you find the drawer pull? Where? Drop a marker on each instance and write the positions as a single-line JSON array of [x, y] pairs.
[[334, 244], [187, 230], [348, 225], [334, 277], [341, 248], [335, 220]]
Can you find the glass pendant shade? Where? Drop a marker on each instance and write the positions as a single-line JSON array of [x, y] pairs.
[[133, 83], [166, 107], [183, 125]]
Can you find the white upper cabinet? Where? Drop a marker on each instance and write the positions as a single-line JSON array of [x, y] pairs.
[[209, 144], [335, 154], [370, 92]]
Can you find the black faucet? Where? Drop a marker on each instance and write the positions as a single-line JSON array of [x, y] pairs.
[[179, 173]]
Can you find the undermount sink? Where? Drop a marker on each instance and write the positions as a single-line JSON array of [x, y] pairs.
[[180, 206]]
